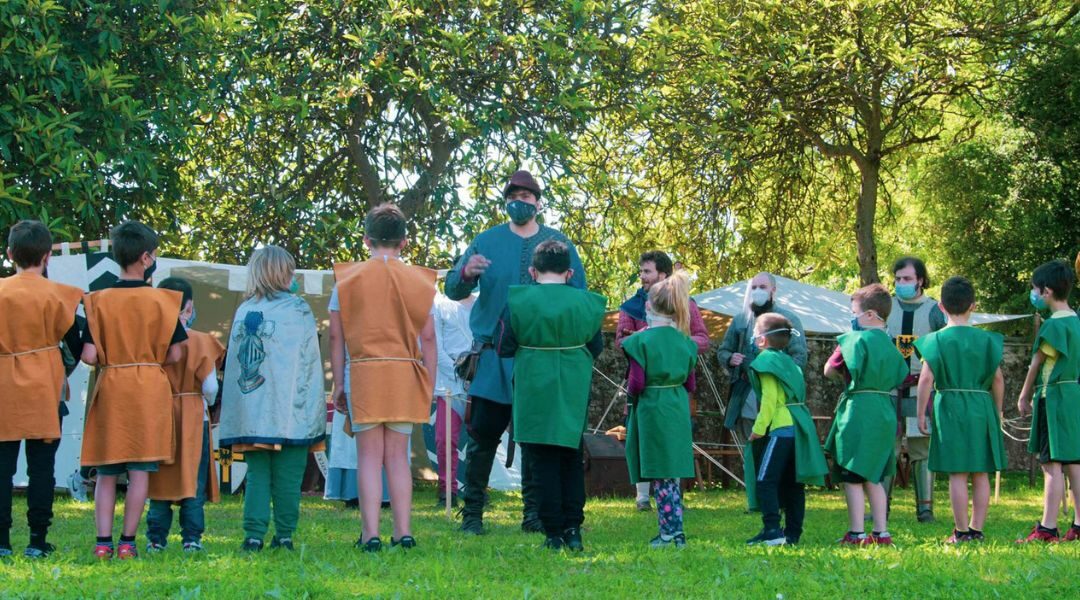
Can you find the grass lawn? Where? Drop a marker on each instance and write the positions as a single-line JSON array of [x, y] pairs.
[[506, 563]]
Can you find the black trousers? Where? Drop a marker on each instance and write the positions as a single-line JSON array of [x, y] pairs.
[[560, 476], [777, 487], [40, 461], [487, 422]]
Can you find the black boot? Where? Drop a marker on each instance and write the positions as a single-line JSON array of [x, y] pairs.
[[479, 457]]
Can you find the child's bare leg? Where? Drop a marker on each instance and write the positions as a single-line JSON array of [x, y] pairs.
[[879, 505], [1074, 485], [980, 488], [856, 505], [958, 496], [135, 500], [369, 445], [105, 504], [1053, 490], [399, 477]]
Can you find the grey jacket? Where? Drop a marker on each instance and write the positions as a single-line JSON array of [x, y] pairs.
[[739, 340]]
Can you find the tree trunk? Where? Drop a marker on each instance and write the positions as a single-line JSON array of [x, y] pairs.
[[865, 212]]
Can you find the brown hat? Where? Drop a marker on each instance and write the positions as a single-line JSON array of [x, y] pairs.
[[524, 180]]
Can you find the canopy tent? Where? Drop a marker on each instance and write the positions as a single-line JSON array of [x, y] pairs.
[[821, 310], [218, 291]]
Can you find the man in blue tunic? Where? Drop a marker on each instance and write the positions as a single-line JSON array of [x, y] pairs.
[[497, 259]]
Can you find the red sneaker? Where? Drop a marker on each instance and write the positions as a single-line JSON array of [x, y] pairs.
[[878, 540], [852, 540], [1038, 535], [126, 551], [1073, 534], [103, 551]]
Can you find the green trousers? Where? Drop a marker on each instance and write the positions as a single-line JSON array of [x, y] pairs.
[[273, 476]]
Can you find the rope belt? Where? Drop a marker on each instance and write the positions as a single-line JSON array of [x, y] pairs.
[[879, 392], [963, 391], [795, 404], [188, 394], [1066, 382], [34, 351], [126, 365], [386, 359], [663, 387], [552, 349]]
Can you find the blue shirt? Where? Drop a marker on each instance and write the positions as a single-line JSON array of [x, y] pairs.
[[510, 256]]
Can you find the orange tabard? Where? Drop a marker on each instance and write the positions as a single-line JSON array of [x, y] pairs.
[[130, 415], [384, 306], [179, 479], [36, 313]]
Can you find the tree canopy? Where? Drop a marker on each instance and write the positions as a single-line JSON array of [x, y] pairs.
[[808, 138]]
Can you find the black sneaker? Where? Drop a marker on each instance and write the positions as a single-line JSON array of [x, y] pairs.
[[768, 537], [472, 525], [372, 545], [252, 545], [406, 542], [791, 540], [285, 542], [532, 524], [38, 552], [572, 539], [553, 542], [925, 516]]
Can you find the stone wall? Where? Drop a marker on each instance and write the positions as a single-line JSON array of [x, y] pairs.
[[822, 393]]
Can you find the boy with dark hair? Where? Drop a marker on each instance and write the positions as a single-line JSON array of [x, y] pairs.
[[1052, 382], [190, 478], [552, 330], [787, 451], [37, 315], [134, 331], [961, 370], [861, 437]]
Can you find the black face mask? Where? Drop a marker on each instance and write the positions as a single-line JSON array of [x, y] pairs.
[[150, 271]]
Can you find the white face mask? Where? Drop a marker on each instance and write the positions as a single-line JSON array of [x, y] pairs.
[[655, 320], [759, 297]]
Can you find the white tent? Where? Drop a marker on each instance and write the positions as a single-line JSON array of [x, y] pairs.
[[821, 310]]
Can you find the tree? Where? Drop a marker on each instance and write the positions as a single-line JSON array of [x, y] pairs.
[[855, 81], [329, 108], [94, 110]]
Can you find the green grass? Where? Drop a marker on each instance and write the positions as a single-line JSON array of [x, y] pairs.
[[509, 564]]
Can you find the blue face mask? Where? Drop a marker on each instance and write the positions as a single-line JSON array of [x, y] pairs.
[[1038, 301], [520, 212], [906, 291], [191, 320], [294, 287], [855, 325]]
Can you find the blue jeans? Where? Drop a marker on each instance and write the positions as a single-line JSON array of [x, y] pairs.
[[192, 519]]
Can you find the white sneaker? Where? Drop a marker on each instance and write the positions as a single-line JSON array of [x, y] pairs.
[[78, 487]]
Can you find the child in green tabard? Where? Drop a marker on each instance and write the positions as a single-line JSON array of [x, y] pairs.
[[661, 374], [1055, 420], [786, 448], [552, 330], [862, 435], [961, 369]]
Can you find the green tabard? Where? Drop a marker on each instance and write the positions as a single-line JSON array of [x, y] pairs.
[[863, 434], [552, 367], [810, 465], [965, 433], [658, 435], [1062, 399]]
